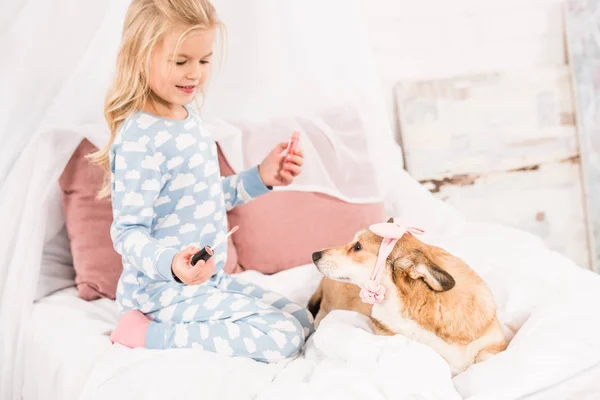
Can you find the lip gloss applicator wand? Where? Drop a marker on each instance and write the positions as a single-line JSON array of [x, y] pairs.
[[207, 252]]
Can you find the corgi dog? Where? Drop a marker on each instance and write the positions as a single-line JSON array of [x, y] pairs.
[[422, 292]]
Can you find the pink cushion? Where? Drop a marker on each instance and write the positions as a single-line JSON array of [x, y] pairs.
[[281, 230], [97, 264]]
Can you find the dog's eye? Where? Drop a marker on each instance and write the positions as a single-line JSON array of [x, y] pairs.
[[357, 247]]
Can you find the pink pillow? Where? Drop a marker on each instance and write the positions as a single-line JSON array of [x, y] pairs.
[[281, 230], [97, 265]]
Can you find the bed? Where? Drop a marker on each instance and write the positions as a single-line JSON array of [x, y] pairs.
[[545, 303], [55, 345]]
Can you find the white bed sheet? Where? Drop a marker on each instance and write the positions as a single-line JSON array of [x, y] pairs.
[[544, 300], [65, 336]]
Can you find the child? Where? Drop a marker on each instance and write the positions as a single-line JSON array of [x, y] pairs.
[[167, 193]]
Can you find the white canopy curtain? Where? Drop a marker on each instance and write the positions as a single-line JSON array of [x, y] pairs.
[[283, 57]]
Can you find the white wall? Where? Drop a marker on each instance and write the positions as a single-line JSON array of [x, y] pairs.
[[429, 39], [437, 39]]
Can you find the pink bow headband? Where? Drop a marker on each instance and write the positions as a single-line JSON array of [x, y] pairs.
[[374, 292]]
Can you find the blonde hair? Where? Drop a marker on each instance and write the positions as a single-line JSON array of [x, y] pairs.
[[145, 24]]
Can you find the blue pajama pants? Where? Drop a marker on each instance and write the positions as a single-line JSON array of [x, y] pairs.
[[234, 318]]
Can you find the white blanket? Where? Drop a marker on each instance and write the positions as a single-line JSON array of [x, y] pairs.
[[548, 304]]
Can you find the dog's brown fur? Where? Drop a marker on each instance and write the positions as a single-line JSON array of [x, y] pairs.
[[333, 295], [428, 290]]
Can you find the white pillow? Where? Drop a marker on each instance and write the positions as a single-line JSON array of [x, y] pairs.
[[56, 270]]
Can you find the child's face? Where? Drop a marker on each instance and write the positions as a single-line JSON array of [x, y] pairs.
[[177, 79]]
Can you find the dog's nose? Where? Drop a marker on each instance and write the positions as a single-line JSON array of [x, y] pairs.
[[316, 256]]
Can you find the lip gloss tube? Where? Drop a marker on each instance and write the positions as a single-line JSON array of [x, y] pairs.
[[207, 252]]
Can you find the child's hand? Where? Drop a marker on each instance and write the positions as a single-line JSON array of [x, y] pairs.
[[280, 170], [192, 274]]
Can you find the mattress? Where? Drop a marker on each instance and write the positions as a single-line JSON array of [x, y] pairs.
[[546, 304], [65, 336]]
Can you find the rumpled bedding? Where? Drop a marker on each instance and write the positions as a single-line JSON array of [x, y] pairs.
[[546, 304]]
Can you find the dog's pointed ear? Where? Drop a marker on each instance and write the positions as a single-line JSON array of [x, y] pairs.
[[391, 220], [419, 266]]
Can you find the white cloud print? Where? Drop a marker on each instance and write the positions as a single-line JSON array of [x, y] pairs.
[[151, 184], [165, 178], [200, 187], [184, 202], [184, 141], [196, 160], [147, 212], [181, 181], [218, 216], [215, 189], [210, 168], [222, 346], [140, 146], [162, 200], [169, 241], [174, 162], [120, 162], [210, 228], [133, 200], [132, 175], [161, 138], [181, 335], [153, 162], [187, 228], [205, 209], [168, 221], [145, 120], [189, 125]]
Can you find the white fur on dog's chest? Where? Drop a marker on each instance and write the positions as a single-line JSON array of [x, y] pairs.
[[389, 314]]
